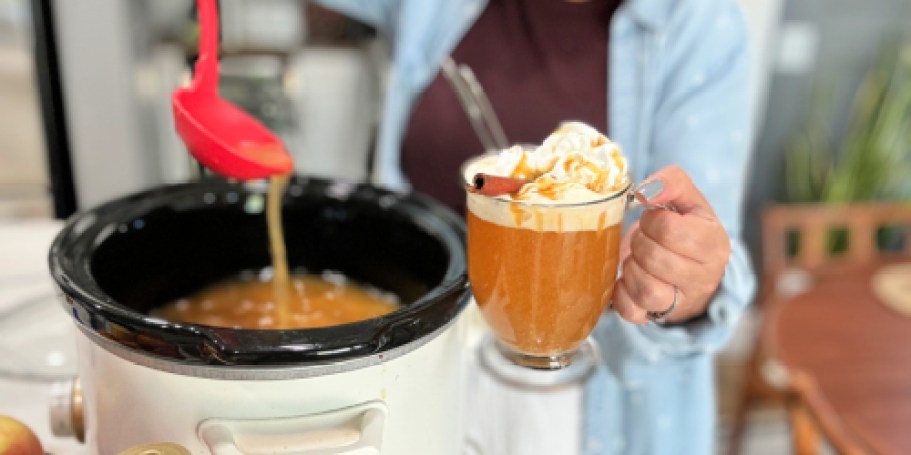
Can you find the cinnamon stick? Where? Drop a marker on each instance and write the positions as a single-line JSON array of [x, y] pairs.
[[495, 185]]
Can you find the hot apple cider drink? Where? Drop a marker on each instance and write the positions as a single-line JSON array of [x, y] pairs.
[[544, 228]]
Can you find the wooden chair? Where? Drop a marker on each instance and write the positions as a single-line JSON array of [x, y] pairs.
[[797, 249]]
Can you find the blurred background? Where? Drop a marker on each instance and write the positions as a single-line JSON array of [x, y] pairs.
[[85, 112]]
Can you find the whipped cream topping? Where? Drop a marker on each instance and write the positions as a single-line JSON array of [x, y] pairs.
[[575, 164]]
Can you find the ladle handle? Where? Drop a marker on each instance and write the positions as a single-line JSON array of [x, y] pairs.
[[206, 76]]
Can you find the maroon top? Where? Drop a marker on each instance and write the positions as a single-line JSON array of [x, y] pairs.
[[540, 62]]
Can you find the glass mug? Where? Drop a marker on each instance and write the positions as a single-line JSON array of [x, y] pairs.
[[542, 274]]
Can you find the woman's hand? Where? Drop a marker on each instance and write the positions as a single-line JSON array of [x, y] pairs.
[[687, 249]]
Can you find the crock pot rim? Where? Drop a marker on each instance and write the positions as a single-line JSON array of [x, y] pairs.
[[91, 225], [266, 372]]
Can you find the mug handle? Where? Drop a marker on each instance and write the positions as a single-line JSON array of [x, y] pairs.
[[634, 200], [355, 430]]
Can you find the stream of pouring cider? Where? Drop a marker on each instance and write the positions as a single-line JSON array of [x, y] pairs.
[[543, 258], [281, 278]]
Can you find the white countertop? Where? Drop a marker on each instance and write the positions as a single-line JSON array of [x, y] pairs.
[[24, 280], [500, 419]]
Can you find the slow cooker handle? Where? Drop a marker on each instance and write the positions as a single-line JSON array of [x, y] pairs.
[[355, 430]]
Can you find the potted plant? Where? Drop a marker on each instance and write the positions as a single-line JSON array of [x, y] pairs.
[[872, 161]]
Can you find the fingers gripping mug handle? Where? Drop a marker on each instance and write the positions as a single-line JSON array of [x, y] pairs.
[[636, 199]]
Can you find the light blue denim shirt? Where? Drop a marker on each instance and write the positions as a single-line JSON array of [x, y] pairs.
[[678, 94]]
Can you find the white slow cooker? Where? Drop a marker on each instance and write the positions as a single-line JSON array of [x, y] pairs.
[[389, 385]]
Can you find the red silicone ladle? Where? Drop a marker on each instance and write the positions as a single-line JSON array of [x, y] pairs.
[[220, 135]]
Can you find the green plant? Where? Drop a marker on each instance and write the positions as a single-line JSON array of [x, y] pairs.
[[873, 160]]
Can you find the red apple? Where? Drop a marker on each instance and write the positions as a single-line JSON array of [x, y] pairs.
[[17, 439]]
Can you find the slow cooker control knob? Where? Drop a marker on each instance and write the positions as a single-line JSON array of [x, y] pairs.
[[67, 418]]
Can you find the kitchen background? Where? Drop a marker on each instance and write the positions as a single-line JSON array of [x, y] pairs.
[[304, 70]]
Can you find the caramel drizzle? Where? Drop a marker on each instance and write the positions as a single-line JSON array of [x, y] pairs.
[[523, 170]]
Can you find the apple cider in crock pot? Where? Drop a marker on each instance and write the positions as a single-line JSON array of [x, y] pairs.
[[249, 302], [277, 299]]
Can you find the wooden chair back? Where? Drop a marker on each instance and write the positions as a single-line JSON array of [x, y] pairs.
[[814, 226]]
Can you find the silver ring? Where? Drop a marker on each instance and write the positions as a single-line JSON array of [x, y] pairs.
[[660, 317]]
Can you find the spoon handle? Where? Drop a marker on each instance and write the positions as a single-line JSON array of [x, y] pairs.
[[206, 77]]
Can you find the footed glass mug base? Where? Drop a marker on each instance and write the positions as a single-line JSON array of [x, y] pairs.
[[525, 370]]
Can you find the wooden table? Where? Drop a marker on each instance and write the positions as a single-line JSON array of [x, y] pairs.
[[856, 352]]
